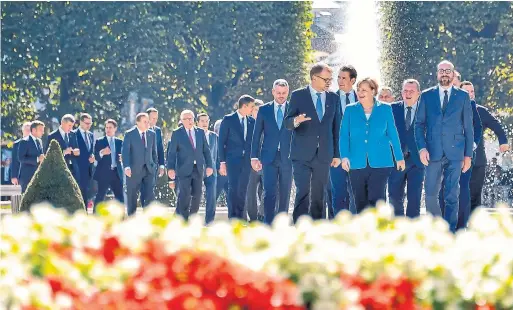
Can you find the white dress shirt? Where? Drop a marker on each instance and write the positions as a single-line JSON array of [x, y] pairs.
[[63, 134], [145, 136], [193, 135], [245, 123], [85, 136]]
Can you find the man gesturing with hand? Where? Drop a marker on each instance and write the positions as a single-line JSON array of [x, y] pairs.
[[314, 118]]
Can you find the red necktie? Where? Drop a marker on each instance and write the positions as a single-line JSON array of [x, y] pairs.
[[190, 138]]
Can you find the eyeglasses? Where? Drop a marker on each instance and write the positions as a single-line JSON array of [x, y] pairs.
[[187, 119], [327, 81], [446, 71]]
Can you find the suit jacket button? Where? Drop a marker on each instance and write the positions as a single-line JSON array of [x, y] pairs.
[[365, 141]]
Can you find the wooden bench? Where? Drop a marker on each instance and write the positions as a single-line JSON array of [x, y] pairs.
[[14, 192]]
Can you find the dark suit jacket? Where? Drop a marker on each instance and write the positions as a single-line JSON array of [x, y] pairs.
[[265, 148], [86, 168], [212, 144], [476, 122], [105, 162], [407, 137], [136, 155], [181, 155], [232, 145], [314, 133], [488, 121], [448, 133], [27, 155], [344, 99], [73, 143], [14, 172], [160, 146]]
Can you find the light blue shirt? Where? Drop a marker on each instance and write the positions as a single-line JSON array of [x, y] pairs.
[[313, 93], [282, 106], [441, 92], [413, 110], [112, 145], [343, 95]]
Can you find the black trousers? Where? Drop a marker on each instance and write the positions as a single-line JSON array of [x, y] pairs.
[[113, 182], [189, 193], [369, 186], [476, 186], [311, 179]]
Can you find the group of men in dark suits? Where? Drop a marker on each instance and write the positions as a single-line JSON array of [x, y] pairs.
[[109, 160], [440, 131]]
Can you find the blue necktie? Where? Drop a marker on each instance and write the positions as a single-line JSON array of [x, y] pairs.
[[242, 125], [279, 117], [113, 153], [318, 106]]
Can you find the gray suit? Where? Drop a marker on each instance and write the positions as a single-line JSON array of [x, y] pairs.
[[211, 181], [142, 161]]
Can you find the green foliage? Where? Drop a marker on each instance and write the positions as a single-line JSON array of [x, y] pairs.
[[200, 55], [476, 36], [53, 183]]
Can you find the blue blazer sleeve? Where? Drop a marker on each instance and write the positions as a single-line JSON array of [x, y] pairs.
[[468, 126], [489, 121], [344, 134], [478, 126], [206, 152], [223, 137], [125, 150], [23, 154], [293, 111], [14, 171], [257, 134], [160, 147], [420, 124], [336, 128], [393, 135], [172, 148]]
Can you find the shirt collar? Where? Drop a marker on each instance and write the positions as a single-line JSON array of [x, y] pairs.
[[140, 132], [34, 138], [344, 93], [314, 92], [413, 107], [277, 105], [62, 131], [240, 115], [441, 90]]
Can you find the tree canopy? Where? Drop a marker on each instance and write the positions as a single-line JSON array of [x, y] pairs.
[[81, 56], [475, 36]]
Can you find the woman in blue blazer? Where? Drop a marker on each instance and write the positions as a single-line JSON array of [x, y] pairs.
[[367, 132]]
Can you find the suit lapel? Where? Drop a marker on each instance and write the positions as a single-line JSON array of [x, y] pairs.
[[400, 114], [450, 104], [361, 112], [237, 125], [328, 107], [310, 105]]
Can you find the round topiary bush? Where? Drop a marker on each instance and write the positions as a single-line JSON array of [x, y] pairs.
[[53, 183]]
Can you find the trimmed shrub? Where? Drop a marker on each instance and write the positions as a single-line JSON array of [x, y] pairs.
[[53, 183]]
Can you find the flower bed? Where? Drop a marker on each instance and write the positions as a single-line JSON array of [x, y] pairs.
[[156, 261]]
